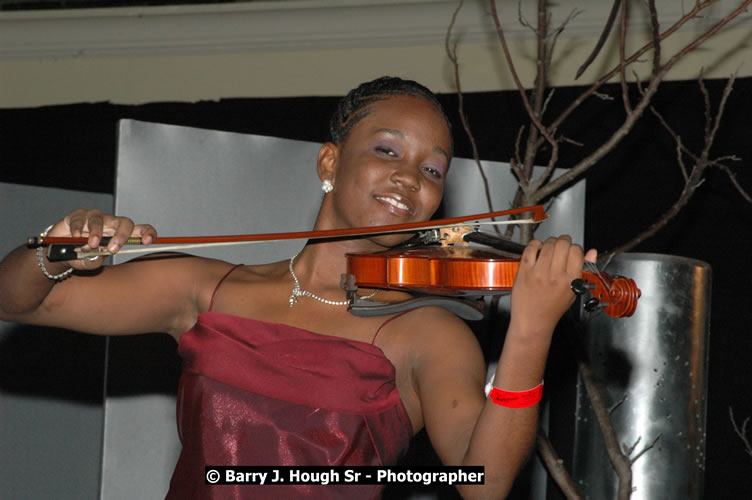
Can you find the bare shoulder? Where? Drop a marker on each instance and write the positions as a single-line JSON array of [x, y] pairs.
[[240, 274], [435, 330], [442, 365], [194, 277], [439, 344], [165, 268], [162, 292], [261, 272], [250, 291]]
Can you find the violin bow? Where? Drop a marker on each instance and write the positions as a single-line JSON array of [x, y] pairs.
[[61, 247]]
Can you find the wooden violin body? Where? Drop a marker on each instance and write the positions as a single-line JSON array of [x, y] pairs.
[[472, 271]]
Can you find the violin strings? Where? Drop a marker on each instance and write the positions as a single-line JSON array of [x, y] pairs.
[[593, 268]]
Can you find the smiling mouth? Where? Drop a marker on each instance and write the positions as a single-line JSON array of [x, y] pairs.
[[395, 205]]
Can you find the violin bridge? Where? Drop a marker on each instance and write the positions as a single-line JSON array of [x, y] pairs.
[[454, 235]]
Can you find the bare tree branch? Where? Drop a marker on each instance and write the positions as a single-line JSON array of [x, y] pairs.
[[534, 118], [623, 67], [548, 54], [681, 150], [622, 465], [578, 170], [452, 54], [655, 33], [696, 177], [645, 449], [631, 449], [617, 404], [555, 467], [736, 184], [557, 32], [689, 16], [601, 40], [539, 86], [741, 432]]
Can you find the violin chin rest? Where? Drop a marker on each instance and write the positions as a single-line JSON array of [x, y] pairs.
[[471, 310]]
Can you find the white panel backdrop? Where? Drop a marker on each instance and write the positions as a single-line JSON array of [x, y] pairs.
[[50, 433]]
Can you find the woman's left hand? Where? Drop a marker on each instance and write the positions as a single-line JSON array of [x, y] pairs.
[[542, 290]]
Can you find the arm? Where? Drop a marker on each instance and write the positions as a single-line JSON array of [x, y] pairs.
[[156, 294], [465, 427]]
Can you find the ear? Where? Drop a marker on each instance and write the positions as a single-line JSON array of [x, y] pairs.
[[326, 165]]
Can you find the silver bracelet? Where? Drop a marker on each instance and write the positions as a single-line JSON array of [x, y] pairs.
[[40, 260]]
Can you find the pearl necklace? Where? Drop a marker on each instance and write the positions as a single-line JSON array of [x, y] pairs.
[[298, 292]]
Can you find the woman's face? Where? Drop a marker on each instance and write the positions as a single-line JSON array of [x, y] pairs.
[[392, 165]]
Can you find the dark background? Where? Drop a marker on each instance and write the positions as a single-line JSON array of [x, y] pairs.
[[74, 147]]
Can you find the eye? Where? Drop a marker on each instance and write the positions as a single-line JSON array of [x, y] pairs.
[[435, 172], [386, 150]]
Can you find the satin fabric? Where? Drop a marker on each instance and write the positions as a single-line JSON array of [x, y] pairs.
[[258, 393]]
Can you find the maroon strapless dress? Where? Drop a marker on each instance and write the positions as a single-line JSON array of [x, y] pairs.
[[258, 393]]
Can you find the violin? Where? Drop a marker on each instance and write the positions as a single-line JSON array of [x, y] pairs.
[[462, 271]]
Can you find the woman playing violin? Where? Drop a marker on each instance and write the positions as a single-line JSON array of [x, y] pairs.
[[276, 378]]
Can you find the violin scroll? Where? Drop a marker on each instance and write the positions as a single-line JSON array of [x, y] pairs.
[[616, 295]]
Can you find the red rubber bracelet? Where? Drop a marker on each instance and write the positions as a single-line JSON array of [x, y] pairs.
[[517, 399]]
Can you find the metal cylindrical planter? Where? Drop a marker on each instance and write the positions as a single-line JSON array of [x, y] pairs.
[[656, 362]]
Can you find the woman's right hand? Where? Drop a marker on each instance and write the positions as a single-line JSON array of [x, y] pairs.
[[141, 296], [95, 225]]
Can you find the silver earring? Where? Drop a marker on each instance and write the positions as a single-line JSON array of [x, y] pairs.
[[327, 186]]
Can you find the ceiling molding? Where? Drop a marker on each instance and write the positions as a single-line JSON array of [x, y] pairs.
[[280, 25]]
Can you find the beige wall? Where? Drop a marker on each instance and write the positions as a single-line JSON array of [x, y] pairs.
[[308, 47]]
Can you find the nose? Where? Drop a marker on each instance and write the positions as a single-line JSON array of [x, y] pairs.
[[407, 176]]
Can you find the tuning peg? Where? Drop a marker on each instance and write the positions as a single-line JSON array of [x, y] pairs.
[[581, 287], [593, 304]]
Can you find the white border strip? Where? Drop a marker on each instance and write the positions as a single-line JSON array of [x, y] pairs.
[[281, 25]]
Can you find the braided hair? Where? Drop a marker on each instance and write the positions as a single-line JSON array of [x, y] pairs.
[[354, 106]]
